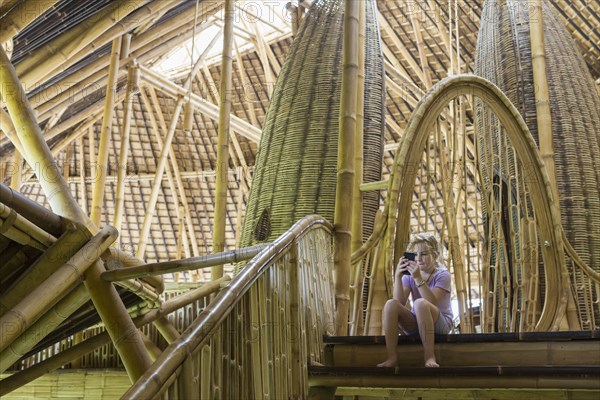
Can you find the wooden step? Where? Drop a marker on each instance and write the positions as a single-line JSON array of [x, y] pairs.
[[518, 377], [569, 349]]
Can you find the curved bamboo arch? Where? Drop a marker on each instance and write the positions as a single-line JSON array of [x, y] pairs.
[[410, 152]]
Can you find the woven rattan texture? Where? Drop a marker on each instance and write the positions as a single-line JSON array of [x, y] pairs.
[[504, 57], [295, 171]]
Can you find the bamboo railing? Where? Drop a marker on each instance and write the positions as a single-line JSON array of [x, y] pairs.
[[445, 162], [258, 336]]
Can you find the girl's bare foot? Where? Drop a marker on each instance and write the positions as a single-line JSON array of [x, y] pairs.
[[389, 363], [430, 362]]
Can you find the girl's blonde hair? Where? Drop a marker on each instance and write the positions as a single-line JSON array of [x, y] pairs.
[[429, 240]]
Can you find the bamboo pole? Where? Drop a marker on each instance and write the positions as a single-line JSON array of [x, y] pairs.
[[222, 181], [541, 92], [189, 264], [345, 172], [105, 297], [32, 211], [43, 326], [35, 151], [7, 127], [99, 188], [16, 173], [54, 257], [39, 65], [133, 78], [21, 16], [175, 168], [240, 126], [46, 295], [357, 201], [160, 167]]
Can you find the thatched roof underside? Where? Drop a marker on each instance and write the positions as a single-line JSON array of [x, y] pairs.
[[417, 55]]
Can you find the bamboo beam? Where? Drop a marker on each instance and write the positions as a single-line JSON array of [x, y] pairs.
[[38, 301], [39, 65], [167, 267], [222, 181], [174, 167], [32, 211], [133, 79], [416, 25], [99, 186], [211, 110], [21, 16], [7, 127], [16, 175], [160, 167], [345, 171], [387, 28]]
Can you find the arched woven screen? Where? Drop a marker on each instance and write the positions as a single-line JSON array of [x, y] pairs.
[[504, 57]]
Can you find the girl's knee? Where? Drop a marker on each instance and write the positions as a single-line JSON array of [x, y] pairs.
[[421, 304]]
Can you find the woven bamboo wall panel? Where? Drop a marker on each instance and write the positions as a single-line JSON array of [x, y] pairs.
[[295, 171]]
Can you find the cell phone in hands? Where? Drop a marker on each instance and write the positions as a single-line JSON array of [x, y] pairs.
[[409, 256]]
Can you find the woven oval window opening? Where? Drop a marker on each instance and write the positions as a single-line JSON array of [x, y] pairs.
[[263, 226]]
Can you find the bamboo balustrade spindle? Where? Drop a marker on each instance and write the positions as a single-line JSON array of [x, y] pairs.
[[222, 177], [345, 180], [105, 133]]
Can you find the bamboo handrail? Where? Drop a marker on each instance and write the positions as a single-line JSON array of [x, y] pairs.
[[188, 264], [199, 333], [345, 169]]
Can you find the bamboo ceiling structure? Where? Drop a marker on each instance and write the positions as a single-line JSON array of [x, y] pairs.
[[419, 44], [137, 144]]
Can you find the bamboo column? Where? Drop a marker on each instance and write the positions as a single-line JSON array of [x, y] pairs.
[[345, 173], [220, 215], [357, 202], [133, 78], [103, 294], [542, 96], [105, 133], [17, 170]]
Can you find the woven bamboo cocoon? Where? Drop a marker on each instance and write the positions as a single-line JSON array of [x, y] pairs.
[[504, 57], [295, 172]]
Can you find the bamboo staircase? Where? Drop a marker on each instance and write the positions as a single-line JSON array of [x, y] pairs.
[[551, 361]]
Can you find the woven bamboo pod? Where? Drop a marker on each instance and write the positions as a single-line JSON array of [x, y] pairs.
[[295, 171], [504, 57]]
